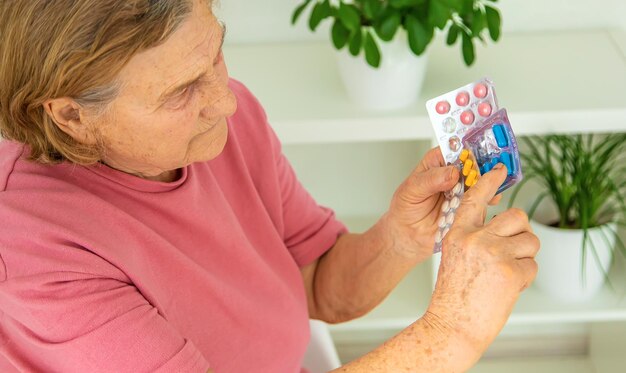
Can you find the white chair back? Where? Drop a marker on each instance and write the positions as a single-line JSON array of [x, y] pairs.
[[321, 355]]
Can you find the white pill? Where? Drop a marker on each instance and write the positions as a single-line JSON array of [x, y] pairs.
[[445, 231], [457, 188], [438, 237], [449, 218], [455, 202], [442, 221], [446, 206]]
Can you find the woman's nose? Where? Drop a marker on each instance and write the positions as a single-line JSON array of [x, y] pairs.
[[220, 103]]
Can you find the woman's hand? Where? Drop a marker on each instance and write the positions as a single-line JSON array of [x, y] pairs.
[[415, 207], [484, 267]]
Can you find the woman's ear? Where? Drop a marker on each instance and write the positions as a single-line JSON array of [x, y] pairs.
[[66, 114]]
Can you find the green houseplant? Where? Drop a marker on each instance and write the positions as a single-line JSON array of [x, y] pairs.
[[393, 35], [583, 178], [354, 23]]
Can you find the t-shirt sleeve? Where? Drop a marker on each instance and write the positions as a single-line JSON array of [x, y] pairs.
[[309, 229], [75, 321]]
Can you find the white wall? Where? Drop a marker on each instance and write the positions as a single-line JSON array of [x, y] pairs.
[[356, 179], [251, 21], [621, 13]]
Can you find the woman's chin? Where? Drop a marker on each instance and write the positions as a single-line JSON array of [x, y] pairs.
[[210, 144]]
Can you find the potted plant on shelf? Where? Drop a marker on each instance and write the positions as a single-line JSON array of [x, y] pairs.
[[394, 36], [577, 213]]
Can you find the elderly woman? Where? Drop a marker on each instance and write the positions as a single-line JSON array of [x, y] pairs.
[[150, 222]]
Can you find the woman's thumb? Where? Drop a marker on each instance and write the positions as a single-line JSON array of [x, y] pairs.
[[424, 184]]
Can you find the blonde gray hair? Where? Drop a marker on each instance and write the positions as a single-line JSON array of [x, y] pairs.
[[71, 48]]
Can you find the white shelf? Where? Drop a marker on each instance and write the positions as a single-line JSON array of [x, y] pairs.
[[407, 303], [561, 82], [569, 364]]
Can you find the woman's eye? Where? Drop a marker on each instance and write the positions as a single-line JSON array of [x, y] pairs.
[[181, 99], [182, 96], [182, 93]]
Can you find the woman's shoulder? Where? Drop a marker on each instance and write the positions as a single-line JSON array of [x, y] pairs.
[[49, 211], [37, 192], [10, 153], [19, 174]]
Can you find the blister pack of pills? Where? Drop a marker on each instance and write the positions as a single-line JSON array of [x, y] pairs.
[[455, 113], [474, 134], [492, 143], [448, 209], [468, 177]]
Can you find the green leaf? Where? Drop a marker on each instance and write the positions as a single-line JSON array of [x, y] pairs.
[[356, 42], [479, 22], [468, 50], [349, 16], [467, 7], [372, 8], [419, 37], [457, 5], [320, 11], [372, 53], [298, 11], [339, 34], [387, 28], [438, 14], [405, 3], [493, 22], [453, 34]]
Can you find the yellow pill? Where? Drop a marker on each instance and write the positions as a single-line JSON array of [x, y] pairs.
[[469, 181], [475, 181], [467, 167], [464, 155]]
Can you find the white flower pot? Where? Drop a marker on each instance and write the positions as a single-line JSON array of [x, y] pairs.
[[561, 259], [395, 84]]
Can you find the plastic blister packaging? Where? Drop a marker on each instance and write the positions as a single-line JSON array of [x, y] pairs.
[[457, 112], [451, 202], [474, 134], [492, 143]]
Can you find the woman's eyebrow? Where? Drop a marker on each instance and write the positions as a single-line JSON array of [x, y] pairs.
[[179, 87]]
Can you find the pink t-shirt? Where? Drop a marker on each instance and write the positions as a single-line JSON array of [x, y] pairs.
[[101, 271]]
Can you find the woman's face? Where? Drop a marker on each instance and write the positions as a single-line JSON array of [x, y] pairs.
[[173, 103]]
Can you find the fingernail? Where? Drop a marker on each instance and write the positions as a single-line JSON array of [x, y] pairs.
[[498, 166]]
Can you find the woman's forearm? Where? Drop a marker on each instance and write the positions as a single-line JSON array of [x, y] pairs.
[[359, 272], [427, 345]]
